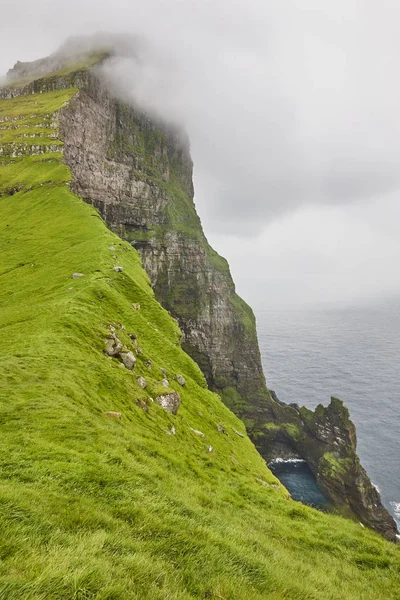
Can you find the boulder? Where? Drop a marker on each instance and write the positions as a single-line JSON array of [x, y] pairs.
[[113, 346], [170, 402], [128, 359]]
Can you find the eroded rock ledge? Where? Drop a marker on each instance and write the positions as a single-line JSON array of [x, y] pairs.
[[326, 439]]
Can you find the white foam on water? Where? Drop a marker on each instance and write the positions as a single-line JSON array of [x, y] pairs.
[[376, 487], [396, 508], [286, 460]]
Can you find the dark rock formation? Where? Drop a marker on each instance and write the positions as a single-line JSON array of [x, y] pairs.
[[138, 173], [326, 438]]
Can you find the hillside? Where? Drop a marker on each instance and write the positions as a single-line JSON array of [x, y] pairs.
[[151, 505]]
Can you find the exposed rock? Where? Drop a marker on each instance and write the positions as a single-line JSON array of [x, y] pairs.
[[113, 415], [221, 429], [142, 382], [170, 402], [326, 438], [164, 371], [142, 404], [111, 248], [180, 379], [210, 449], [149, 364], [132, 336], [238, 433], [173, 430], [77, 275], [113, 345], [129, 359], [165, 383], [136, 306], [197, 432], [118, 269]]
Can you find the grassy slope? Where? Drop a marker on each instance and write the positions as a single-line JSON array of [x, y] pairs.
[[93, 508]]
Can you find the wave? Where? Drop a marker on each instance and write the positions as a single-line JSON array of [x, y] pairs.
[[286, 460], [396, 508], [376, 487]]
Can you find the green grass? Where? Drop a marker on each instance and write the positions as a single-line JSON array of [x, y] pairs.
[[84, 63], [94, 508]]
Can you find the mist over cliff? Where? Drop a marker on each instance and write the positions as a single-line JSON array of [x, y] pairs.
[[292, 114]]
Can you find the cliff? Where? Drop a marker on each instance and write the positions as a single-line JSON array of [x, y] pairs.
[[138, 173]]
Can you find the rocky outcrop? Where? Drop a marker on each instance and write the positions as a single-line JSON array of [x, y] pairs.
[[326, 438], [138, 173]]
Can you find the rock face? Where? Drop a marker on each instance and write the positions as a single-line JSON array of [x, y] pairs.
[[326, 438], [138, 173]]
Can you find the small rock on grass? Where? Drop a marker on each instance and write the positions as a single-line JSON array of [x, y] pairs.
[[129, 359], [197, 432], [170, 402], [142, 382], [142, 404], [113, 346], [238, 433], [113, 415], [118, 269], [77, 275], [180, 379]]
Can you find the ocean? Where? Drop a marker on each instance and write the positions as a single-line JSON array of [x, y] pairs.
[[353, 354]]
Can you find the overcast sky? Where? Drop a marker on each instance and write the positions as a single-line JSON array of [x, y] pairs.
[[292, 107]]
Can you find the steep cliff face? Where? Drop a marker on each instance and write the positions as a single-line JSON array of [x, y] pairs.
[[138, 173]]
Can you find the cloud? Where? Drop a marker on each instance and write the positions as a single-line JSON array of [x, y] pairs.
[[292, 108]]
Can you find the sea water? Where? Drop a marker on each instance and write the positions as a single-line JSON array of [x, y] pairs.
[[353, 354]]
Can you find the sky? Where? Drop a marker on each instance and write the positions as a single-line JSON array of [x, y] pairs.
[[292, 109]]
